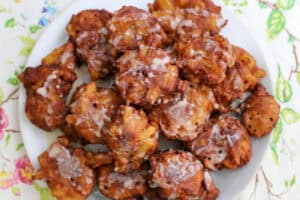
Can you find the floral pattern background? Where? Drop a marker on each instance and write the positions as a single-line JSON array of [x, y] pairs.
[[273, 22]]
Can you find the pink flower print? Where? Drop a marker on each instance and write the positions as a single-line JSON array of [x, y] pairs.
[[25, 170], [3, 122], [7, 179]]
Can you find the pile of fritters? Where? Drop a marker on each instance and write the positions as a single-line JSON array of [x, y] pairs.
[[174, 76]]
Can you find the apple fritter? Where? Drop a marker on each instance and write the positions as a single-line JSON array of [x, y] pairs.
[[145, 75], [180, 175], [66, 173], [182, 115], [188, 19], [88, 30], [183, 4], [119, 186], [63, 56], [131, 139], [223, 143], [47, 88], [242, 77], [131, 26], [205, 60], [261, 112], [87, 20], [91, 110]]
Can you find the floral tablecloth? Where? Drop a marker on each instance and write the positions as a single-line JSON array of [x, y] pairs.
[[276, 23]]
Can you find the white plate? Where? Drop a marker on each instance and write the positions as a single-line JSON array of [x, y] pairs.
[[36, 141]]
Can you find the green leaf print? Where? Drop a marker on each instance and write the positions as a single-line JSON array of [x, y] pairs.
[[276, 134], [2, 9], [283, 90], [1, 95], [275, 153], [22, 67], [7, 139], [237, 5], [286, 183], [275, 23], [277, 131], [27, 40], [290, 183], [239, 11], [298, 77], [262, 5], [14, 80], [293, 181], [29, 43], [290, 116], [10, 23], [243, 3], [25, 51], [16, 190], [286, 4], [19, 147], [34, 28], [45, 193]]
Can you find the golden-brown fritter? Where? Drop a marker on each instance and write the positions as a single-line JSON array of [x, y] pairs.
[[47, 88], [63, 56], [131, 138], [188, 19], [120, 186], [131, 26], [182, 116], [91, 110], [196, 4], [88, 20], [88, 31], [180, 175], [145, 75], [223, 143], [169, 20], [69, 131], [68, 177], [205, 60], [241, 78], [48, 85], [209, 189], [153, 193], [94, 160], [95, 52], [261, 112]]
